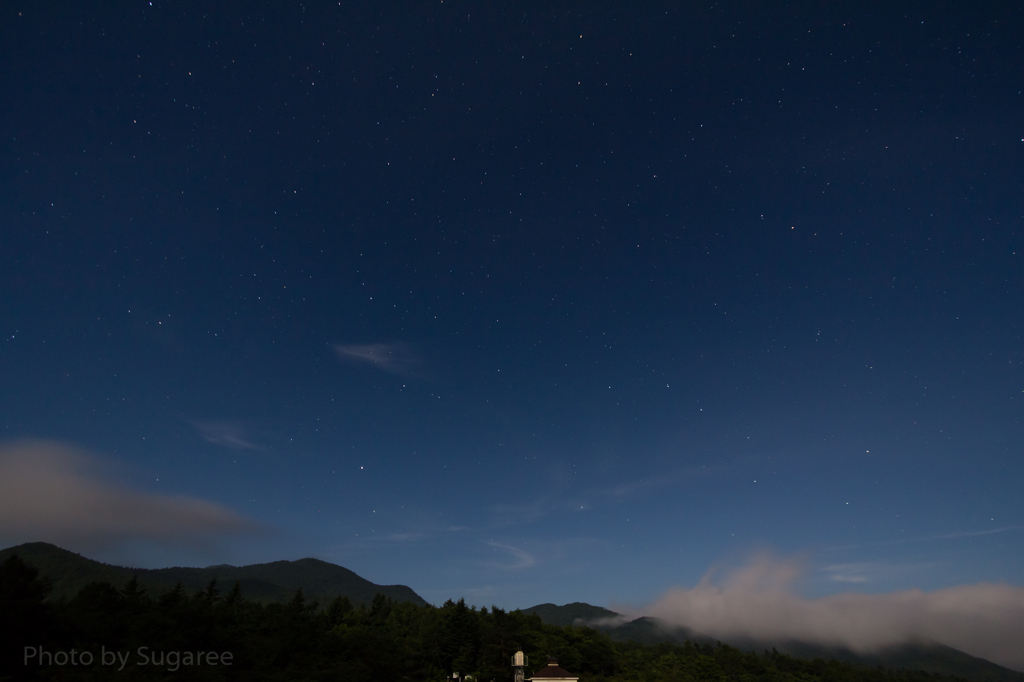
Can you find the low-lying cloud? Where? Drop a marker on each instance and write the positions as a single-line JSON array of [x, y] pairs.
[[758, 602], [54, 493]]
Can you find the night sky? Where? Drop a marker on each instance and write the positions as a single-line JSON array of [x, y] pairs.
[[543, 302]]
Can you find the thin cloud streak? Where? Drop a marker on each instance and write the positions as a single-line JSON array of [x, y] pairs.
[[504, 514], [420, 536], [51, 492], [866, 571], [228, 434], [520, 559], [973, 533], [954, 535], [851, 573], [757, 602], [395, 358]]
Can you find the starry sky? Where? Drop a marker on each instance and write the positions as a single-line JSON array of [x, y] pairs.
[[518, 302]]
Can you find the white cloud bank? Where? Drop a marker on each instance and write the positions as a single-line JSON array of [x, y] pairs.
[[51, 492], [757, 602]]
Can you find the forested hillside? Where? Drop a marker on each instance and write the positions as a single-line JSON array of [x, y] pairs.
[[271, 582], [304, 640]]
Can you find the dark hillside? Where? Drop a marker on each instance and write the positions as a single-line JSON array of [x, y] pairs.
[[265, 583], [576, 613], [277, 581]]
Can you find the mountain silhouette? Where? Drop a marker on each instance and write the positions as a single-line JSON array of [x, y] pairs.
[[272, 582]]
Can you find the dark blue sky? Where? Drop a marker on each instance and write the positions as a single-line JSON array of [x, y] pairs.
[[525, 303]]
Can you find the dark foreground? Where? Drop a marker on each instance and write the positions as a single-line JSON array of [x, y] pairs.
[[124, 633]]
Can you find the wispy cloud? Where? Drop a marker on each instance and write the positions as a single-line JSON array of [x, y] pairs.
[[952, 535], [850, 573], [973, 533], [229, 434], [865, 572], [757, 602], [505, 514], [515, 559], [396, 358], [531, 511], [371, 542], [52, 492]]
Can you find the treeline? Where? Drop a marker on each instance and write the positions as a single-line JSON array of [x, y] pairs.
[[109, 632]]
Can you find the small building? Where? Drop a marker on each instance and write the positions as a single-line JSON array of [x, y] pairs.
[[553, 673]]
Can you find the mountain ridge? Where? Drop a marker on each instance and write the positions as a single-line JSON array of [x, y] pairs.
[[274, 581]]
